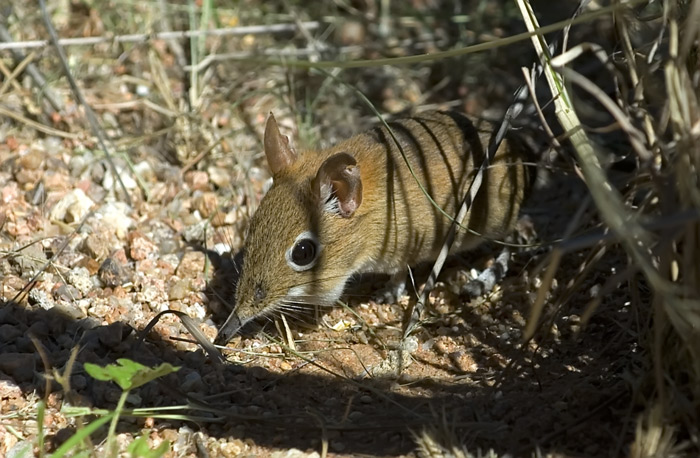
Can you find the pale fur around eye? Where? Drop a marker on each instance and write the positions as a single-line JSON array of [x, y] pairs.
[[304, 237]]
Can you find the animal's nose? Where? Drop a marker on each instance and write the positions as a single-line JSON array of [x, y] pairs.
[[260, 293], [229, 329]]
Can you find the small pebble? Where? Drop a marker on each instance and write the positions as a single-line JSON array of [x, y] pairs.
[[179, 290], [191, 265], [66, 293], [463, 362], [220, 176], [115, 215], [109, 182], [206, 203], [80, 278], [350, 33], [96, 246], [20, 366], [38, 329], [110, 273], [23, 344], [28, 178], [252, 410], [78, 382], [112, 394], [41, 298], [192, 382], [330, 402], [294, 453], [141, 247], [72, 207], [31, 160], [144, 170], [197, 180], [8, 315], [196, 232]]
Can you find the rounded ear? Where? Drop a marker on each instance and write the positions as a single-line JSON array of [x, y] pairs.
[[277, 150], [338, 185]]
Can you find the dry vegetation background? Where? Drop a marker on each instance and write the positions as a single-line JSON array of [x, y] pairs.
[[589, 347]]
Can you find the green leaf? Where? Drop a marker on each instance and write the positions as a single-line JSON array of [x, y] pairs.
[[139, 449], [161, 450], [40, 414], [144, 376], [80, 411], [77, 438], [128, 374]]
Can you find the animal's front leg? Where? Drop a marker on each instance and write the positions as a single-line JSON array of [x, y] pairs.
[[394, 289]]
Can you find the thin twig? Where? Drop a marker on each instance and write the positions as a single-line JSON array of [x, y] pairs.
[[37, 125], [11, 76], [165, 26], [142, 37], [92, 119]]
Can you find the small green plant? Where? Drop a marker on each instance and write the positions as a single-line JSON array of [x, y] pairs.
[[139, 449], [128, 375]]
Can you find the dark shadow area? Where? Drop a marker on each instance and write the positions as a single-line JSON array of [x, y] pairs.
[[367, 416]]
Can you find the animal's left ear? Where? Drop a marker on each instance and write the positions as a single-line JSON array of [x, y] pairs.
[[338, 184], [278, 151]]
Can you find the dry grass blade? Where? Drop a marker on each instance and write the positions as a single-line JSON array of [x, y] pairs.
[[636, 137], [32, 71], [37, 125], [607, 199], [193, 327], [11, 78], [668, 260], [653, 437]]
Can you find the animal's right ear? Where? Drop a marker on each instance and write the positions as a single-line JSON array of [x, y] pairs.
[[338, 184], [279, 153]]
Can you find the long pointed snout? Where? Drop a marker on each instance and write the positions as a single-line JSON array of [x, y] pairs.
[[229, 329]]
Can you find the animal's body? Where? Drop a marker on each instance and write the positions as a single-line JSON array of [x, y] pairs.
[[357, 208]]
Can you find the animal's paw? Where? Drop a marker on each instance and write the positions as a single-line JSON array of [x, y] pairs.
[[487, 278], [393, 291]]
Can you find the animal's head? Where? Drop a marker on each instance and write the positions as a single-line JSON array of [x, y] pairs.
[[296, 250]]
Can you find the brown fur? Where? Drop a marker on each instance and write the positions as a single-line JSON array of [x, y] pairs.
[[394, 226]]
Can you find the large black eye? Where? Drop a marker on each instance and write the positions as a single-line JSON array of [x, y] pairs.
[[304, 253]]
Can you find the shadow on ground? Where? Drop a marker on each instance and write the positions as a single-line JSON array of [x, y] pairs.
[[566, 396]]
